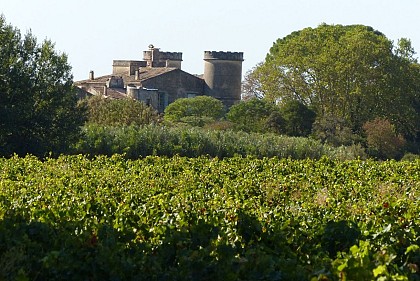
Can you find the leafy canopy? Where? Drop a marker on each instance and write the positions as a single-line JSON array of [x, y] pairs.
[[353, 73], [38, 107]]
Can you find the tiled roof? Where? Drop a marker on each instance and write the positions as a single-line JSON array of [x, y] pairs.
[[148, 73], [115, 93], [145, 73]]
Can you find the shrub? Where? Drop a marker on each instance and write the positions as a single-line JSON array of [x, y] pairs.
[[382, 139], [256, 115], [334, 131], [410, 157], [114, 112], [196, 111], [298, 118]]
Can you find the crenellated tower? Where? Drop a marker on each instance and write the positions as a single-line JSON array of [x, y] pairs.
[[223, 76], [156, 58]]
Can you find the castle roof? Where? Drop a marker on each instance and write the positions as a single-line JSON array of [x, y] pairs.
[[144, 74]]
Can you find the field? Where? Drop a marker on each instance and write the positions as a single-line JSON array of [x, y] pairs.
[[178, 218]]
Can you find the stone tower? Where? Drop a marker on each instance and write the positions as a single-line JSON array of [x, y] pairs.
[[223, 75], [156, 58]]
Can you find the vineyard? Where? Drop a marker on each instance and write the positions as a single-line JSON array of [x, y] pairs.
[[177, 218]]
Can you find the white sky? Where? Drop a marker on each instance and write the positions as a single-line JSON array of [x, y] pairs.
[[93, 33]]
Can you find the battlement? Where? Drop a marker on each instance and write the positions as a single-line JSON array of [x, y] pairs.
[[155, 58], [218, 55], [128, 63], [148, 55], [126, 67], [171, 56]]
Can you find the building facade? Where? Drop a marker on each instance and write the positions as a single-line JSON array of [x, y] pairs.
[[158, 79]]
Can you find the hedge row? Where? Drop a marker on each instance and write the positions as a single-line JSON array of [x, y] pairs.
[[135, 142]]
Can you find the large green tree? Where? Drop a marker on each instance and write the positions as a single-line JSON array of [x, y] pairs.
[[38, 107], [352, 73]]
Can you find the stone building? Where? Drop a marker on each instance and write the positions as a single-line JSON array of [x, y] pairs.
[[158, 79]]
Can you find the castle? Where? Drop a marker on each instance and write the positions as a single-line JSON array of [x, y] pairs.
[[158, 80]]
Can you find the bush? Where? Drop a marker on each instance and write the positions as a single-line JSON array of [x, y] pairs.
[[196, 111], [334, 131], [298, 118], [256, 115], [410, 157], [114, 112], [382, 140]]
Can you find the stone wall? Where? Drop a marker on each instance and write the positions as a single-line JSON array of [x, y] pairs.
[[177, 84]]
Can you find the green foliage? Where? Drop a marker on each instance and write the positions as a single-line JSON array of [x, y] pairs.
[[410, 157], [251, 86], [364, 263], [256, 115], [178, 218], [38, 107], [137, 142], [351, 73], [334, 131], [196, 111], [382, 139], [113, 112], [298, 118]]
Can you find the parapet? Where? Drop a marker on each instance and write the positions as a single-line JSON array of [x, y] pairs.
[[155, 58], [126, 67], [170, 56], [215, 55], [156, 55], [128, 63]]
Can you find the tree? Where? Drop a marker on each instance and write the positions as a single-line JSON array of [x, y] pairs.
[[251, 86], [352, 73], [38, 107], [113, 112], [256, 115], [334, 131], [382, 139], [298, 118], [196, 111]]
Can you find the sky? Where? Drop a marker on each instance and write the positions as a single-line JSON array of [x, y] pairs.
[[93, 33]]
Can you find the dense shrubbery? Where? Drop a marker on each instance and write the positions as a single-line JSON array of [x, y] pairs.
[[298, 118], [256, 115], [116, 126], [118, 112], [382, 139], [161, 218], [136, 142], [197, 111]]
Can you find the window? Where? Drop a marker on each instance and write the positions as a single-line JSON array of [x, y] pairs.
[[162, 101]]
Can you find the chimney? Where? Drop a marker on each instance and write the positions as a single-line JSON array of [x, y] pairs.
[[91, 75]]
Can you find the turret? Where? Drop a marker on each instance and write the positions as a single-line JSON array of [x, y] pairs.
[[223, 75], [155, 58]]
